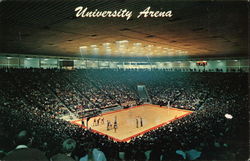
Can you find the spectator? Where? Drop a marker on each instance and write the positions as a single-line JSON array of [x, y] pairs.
[[68, 147], [40, 100], [22, 152], [93, 154]]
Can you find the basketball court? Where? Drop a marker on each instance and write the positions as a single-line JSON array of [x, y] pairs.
[[133, 121]]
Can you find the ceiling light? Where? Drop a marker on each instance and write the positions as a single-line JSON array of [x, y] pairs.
[[106, 45], [124, 41], [83, 47], [137, 44]]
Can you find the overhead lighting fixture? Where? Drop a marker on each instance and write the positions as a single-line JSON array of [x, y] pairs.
[[95, 51], [83, 49], [108, 51], [106, 45], [137, 44], [124, 41]]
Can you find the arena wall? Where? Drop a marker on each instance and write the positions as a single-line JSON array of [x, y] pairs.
[[26, 61]]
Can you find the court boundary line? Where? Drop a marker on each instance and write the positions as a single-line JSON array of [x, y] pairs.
[[137, 134]]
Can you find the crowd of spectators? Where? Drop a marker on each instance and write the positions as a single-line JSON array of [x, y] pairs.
[[34, 99]]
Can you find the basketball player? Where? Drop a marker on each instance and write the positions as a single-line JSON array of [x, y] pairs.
[[137, 123], [98, 121], [110, 125], [103, 120], [141, 122], [115, 125], [94, 123], [107, 125], [168, 104]]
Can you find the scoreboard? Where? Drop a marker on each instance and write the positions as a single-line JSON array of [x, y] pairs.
[[201, 63]]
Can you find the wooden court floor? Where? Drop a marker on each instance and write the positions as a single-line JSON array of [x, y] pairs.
[[129, 121]]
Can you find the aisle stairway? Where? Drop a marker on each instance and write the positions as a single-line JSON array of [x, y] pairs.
[[143, 94]]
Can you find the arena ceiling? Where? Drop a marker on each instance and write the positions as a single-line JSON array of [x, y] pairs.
[[197, 29]]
